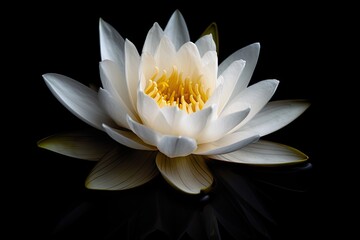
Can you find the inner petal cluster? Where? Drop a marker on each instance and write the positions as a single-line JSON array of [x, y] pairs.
[[188, 94]]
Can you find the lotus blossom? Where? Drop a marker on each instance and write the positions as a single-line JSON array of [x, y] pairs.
[[172, 108]]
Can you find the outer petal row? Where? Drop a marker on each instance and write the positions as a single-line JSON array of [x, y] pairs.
[[189, 174], [78, 99], [263, 153], [122, 168], [275, 115]]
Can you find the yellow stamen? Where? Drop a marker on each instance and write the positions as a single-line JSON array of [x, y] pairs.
[[192, 100], [189, 108], [153, 92], [149, 86], [171, 100], [163, 86], [157, 97], [188, 94], [200, 101]]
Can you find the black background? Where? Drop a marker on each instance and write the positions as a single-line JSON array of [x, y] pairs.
[[299, 46]]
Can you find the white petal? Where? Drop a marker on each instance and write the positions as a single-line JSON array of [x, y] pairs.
[[205, 43], [82, 145], [127, 138], [184, 124], [215, 96], [217, 128], [188, 174], [165, 55], [115, 82], [229, 143], [210, 69], [177, 30], [123, 168], [256, 96], [153, 117], [230, 78], [111, 78], [175, 119], [147, 134], [249, 54], [111, 44], [188, 60], [132, 63], [176, 146], [161, 125], [264, 153], [147, 69], [172, 146], [147, 108], [210, 58], [153, 39], [117, 111], [77, 98], [275, 115]]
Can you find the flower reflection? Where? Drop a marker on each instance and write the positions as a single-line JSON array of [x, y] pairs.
[[238, 207]]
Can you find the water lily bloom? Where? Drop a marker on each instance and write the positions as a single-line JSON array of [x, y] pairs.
[[174, 108]]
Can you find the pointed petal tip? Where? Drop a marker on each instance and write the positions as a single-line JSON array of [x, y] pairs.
[[89, 184], [305, 102], [49, 79], [177, 11], [274, 80], [41, 143], [47, 76], [52, 77], [213, 24], [256, 44], [102, 22], [156, 24], [45, 143], [176, 14]]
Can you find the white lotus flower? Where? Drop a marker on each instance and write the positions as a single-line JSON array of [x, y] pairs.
[[175, 108]]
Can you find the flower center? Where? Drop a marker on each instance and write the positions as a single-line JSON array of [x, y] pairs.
[[187, 93]]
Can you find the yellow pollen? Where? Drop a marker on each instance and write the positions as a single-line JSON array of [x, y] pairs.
[[187, 93]]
